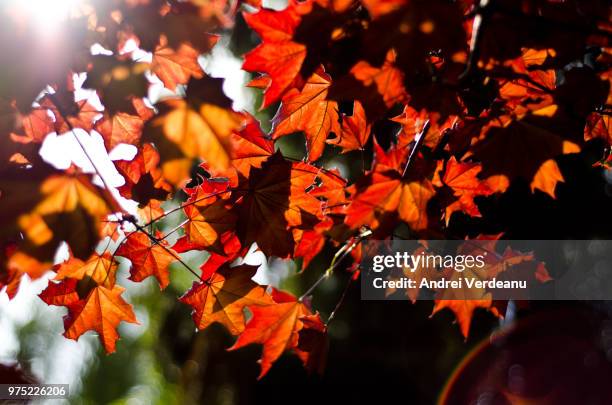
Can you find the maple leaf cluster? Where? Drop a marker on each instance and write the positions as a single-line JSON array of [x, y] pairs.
[[446, 103]]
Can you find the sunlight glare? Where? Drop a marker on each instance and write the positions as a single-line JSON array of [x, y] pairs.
[[48, 15]]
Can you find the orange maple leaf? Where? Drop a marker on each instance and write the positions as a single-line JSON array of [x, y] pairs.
[[251, 147], [177, 66], [207, 223], [151, 212], [413, 122], [120, 128], [464, 309], [124, 127], [388, 79], [101, 268], [43, 207], [232, 249], [148, 258], [209, 216], [61, 294], [275, 326], [529, 81], [35, 126], [309, 243], [19, 264], [278, 55], [194, 128], [598, 126], [109, 228], [102, 310], [309, 111], [462, 178], [464, 301], [69, 113], [313, 343], [355, 131], [275, 199], [533, 148], [223, 297], [69, 209], [384, 193], [144, 180]]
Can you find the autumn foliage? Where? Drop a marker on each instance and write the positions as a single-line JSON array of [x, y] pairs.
[[443, 105]]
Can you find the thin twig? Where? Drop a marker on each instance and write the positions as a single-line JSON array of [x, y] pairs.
[[180, 207], [176, 228], [168, 250], [417, 145], [481, 18], [363, 169], [82, 146], [338, 257], [158, 242], [339, 304]]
